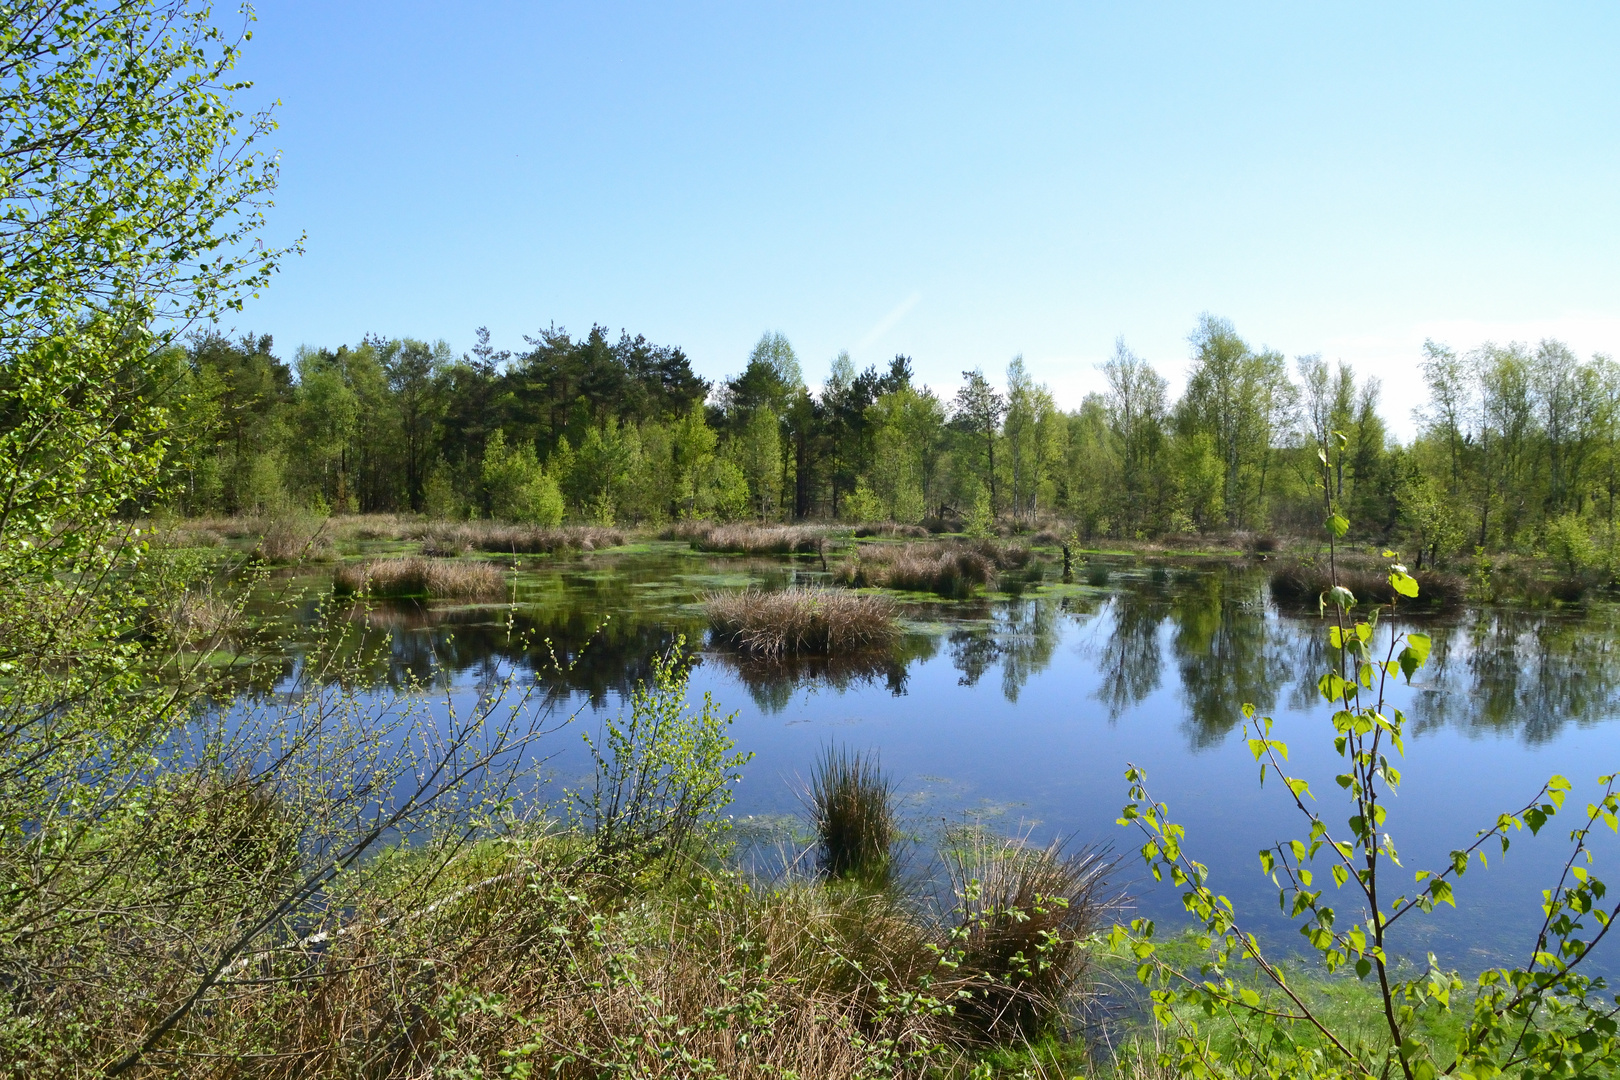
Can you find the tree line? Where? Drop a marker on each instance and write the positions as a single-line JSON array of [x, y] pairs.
[[1515, 445]]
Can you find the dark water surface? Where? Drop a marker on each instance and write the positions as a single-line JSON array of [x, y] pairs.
[[1021, 713]]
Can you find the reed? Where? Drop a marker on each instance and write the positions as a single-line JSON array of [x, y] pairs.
[[797, 620], [852, 812], [197, 617], [419, 578], [1024, 914]]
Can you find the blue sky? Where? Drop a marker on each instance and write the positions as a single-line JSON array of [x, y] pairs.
[[957, 182]]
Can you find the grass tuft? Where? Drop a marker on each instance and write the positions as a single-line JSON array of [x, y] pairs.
[[1024, 916], [954, 571], [418, 578], [294, 540], [852, 812], [1305, 582], [747, 539], [497, 537], [775, 624]]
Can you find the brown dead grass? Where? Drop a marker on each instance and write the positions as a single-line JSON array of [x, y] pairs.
[[496, 537], [1025, 914], [952, 570], [750, 539], [793, 621], [565, 974], [419, 578], [1303, 583], [295, 540]]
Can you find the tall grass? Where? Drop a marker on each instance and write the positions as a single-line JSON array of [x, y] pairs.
[[498, 537], [518, 957], [954, 571], [798, 620], [890, 529], [852, 813], [418, 578], [1305, 581], [294, 540], [750, 539], [1025, 914]]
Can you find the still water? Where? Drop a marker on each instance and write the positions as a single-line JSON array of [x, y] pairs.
[[1022, 713]]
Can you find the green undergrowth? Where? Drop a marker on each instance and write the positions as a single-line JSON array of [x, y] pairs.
[[1348, 1006]]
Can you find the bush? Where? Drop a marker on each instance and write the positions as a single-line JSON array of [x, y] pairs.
[[663, 775], [517, 487], [773, 624], [294, 540], [1569, 542]]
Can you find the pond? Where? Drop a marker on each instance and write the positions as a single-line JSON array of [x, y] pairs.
[[1021, 714]]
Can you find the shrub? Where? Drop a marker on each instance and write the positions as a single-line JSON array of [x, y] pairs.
[[852, 813], [1570, 543], [663, 774], [417, 578], [519, 489], [797, 620]]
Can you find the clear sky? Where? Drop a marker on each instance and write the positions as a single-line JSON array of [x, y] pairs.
[[957, 182]]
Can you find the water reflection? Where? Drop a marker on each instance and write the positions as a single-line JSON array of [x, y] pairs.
[[1521, 672], [1019, 637], [1210, 636], [772, 684]]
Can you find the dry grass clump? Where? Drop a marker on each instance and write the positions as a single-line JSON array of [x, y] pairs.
[[749, 539], [774, 624], [498, 537], [851, 807], [418, 578], [954, 570], [890, 528], [294, 540], [1305, 582], [1024, 916], [378, 526]]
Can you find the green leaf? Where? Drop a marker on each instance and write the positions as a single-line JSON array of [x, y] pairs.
[[1414, 654], [1338, 525], [1405, 584]]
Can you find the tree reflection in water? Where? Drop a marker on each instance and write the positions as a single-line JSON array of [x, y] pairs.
[[1211, 634], [1527, 673], [1019, 635]]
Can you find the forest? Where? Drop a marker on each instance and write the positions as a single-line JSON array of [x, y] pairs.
[[1516, 446]]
